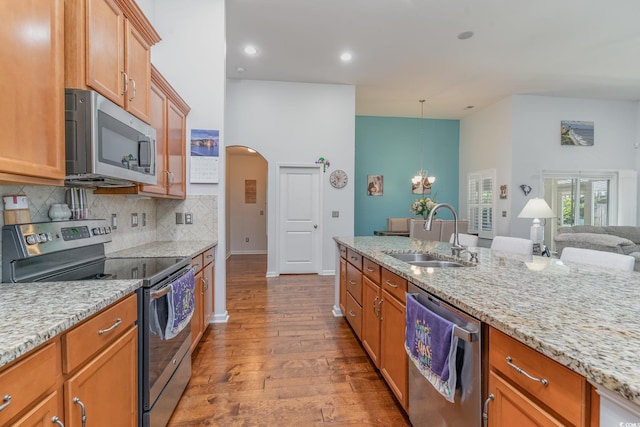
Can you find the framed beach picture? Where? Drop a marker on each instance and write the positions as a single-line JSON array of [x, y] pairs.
[[576, 133], [375, 185]]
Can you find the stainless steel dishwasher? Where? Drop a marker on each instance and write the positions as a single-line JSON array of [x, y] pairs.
[[426, 406]]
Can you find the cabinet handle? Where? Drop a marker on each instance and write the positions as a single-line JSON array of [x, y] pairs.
[[355, 258], [519, 370], [380, 309], [111, 328], [485, 410], [351, 313], [6, 400], [209, 255], [56, 420], [172, 179], [374, 306], [352, 282], [205, 284], [126, 82], [196, 267], [391, 284], [77, 401], [135, 89], [369, 269]]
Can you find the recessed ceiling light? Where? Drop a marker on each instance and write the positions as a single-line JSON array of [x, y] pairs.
[[465, 35], [469, 107], [250, 50], [346, 57], [240, 70]]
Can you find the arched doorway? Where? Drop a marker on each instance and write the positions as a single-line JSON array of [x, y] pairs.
[[246, 201]]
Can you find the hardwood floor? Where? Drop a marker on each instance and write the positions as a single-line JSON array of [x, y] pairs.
[[283, 359]]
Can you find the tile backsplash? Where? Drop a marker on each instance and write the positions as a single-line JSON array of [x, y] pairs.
[[160, 215]]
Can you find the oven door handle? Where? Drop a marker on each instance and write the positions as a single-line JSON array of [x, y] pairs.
[[160, 293]]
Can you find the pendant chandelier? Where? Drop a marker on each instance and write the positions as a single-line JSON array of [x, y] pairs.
[[422, 174]]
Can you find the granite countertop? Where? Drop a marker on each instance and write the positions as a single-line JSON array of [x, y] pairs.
[[585, 318], [33, 313], [187, 248]]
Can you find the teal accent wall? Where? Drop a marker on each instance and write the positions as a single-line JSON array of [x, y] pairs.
[[392, 147]]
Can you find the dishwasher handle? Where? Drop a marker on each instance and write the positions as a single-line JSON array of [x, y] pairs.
[[458, 331]]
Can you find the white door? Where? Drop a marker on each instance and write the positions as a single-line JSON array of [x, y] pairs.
[[298, 220]]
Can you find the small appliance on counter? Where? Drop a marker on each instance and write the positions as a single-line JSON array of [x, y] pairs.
[[16, 209]]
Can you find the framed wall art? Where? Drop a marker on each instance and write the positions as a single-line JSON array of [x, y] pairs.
[[375, 185], [576, 133]]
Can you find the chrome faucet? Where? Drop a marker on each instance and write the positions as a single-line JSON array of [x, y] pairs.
[[456, 247]]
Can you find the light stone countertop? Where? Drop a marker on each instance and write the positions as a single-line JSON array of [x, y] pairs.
[[188, 248], [33, 313], [585, 318]]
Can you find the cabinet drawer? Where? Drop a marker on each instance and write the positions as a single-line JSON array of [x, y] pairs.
[[371, 270], [96, 333], [197, 262], [395, 285], [565, 391], [354, 315], [209, 256], [343, 251], [27, 380], [354, 258], [354, 283]]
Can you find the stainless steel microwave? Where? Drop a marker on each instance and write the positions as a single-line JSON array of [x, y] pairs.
[[106, 145]]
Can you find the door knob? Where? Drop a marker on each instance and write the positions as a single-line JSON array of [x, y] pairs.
[[315, 226]]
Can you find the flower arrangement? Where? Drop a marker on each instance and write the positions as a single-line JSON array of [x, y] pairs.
[[423, 206]]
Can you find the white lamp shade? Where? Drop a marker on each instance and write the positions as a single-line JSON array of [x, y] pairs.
[[536, 208]]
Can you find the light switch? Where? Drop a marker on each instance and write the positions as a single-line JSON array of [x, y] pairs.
[[504, 214], [335, 214]]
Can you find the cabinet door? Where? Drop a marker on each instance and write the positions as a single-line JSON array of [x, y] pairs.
[[512, 408], [177, 143], [41, 415], [208, 294], [138, 68], [158, 120], [105, 44], [32, 78], [343, 286], [107, 386], [371, 319], [393, 357], [198, 311]]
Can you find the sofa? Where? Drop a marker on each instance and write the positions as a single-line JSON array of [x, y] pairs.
[[622, 239]]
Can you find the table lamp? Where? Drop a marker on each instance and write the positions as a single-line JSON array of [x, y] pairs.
[[537, 208]]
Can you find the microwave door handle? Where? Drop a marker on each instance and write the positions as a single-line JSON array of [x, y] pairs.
[[145, 152]]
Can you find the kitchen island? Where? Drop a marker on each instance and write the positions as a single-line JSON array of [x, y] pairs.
[[584, 318]]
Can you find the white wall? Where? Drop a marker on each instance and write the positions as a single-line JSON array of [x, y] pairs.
[[520, 136], [296, 123], [191, 56], [536, 142], [247, 220], [485, 143]]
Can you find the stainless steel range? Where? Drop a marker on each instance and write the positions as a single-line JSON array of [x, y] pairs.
[[73, 251]]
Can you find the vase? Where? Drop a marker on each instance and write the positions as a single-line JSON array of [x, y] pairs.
[[59, 212]]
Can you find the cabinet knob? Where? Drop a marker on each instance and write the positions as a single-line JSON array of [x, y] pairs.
[[6, 401]]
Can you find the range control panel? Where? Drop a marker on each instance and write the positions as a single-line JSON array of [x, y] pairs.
[[47, 237]]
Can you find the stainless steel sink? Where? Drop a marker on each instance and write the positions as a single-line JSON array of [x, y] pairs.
[[414, 257], [425, 260], [437, 264]]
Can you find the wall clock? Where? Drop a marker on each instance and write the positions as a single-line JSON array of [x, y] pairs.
[[338, 178]]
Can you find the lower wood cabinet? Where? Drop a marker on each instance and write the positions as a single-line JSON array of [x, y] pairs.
[[343, 285], [393, 357], [204, 267], [81, 373], [371, 325], [105, 390], [549, 394]]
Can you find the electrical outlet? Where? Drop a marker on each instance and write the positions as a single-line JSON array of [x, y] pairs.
[[261, 213], [188, 218], [144, 219], [246, 239], [134, 219], [335, 214], [504, 214], [114, 221], [179, 218]]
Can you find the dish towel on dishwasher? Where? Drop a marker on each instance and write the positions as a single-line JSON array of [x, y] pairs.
[[180, 304], [431, 345]]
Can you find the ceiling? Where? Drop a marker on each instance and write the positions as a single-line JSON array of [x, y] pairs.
[[406, 50]]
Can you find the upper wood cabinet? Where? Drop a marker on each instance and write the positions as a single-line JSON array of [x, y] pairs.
[[32, 82], [108, 48]]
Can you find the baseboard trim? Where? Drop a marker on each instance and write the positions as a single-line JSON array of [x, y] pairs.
[[272, 274], [327, 273], [249, 252], [337, 312], [220, 318]]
